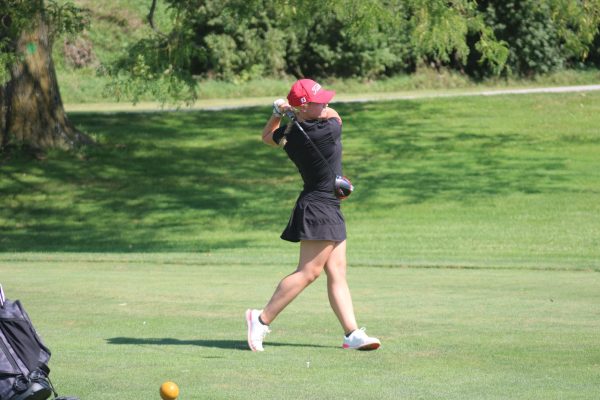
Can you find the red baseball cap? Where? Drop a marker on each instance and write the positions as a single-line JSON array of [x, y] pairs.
[[308, 91]]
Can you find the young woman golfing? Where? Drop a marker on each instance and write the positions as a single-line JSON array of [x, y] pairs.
[[312, 141]]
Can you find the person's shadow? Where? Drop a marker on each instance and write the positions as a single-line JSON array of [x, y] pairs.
[[219, 344]]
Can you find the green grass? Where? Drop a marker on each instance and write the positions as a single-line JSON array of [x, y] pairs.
[[507, 181], [120, 326], [474, 240]]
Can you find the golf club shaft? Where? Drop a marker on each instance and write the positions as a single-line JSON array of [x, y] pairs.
[[290, 114]]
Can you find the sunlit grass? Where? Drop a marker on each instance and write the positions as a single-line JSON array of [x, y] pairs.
[[121, 324], [499, 181], [473, 245]]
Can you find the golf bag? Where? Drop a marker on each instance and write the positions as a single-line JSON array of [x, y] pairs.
[[23, 356]]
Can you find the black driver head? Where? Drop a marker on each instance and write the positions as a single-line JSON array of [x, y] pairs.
[[343, 187]]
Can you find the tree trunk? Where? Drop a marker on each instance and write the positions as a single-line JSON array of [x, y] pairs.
[[31, 109]]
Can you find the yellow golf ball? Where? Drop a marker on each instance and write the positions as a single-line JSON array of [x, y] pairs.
[[169, 391]]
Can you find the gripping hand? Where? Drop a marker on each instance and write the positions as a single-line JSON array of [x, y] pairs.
[[277, 110]]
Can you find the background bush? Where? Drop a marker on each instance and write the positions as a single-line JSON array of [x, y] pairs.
[[239, 41]]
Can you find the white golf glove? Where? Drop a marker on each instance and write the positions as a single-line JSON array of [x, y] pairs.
[[277, 111]]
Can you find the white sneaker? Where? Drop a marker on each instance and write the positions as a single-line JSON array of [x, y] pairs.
[[359, 340], [256, 330]]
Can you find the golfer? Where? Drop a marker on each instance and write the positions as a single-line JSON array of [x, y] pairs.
[[316, 221]]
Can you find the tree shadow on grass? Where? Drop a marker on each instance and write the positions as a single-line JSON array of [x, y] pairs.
[[219, 344], [417, 152], [155, 182], [198, 181]]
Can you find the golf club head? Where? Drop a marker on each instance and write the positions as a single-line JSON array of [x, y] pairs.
[[343, 187]]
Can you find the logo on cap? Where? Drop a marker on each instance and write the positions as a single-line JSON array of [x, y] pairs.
[[316, 88]]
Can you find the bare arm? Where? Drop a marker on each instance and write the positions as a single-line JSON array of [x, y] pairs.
[[280, 106], [270, 127], [329, 112]]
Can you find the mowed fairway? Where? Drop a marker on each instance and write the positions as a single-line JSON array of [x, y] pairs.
[[474, 252], [121, 326]]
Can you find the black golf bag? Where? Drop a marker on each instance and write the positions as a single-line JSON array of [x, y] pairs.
[[23, 356]]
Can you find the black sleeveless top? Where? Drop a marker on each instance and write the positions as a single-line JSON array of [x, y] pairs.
[[327, 136], [316, 214]]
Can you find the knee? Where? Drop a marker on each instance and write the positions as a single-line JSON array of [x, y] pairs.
[[336, 270], [310, 274]]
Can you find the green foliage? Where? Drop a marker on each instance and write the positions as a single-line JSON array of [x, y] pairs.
[[14, 17], [532, 35], [439, 29], [65, 17], [239, 40], [545, 35], [148, 71], [17, 16], [577, 25]]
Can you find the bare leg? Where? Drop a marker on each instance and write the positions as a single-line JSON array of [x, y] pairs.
[[337, 288], [313, 256]]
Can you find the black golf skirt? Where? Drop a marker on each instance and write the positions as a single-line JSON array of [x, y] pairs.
[[316, 216]]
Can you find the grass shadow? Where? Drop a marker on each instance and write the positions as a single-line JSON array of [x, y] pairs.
[[155, 182], [416, 152], [219, 344], [202, 181]]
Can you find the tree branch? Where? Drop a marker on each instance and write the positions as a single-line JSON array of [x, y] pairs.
[[150, 18]]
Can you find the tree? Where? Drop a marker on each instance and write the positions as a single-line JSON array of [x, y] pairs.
[[244, 39], [543, 35], [236, 40], [31, 108]]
